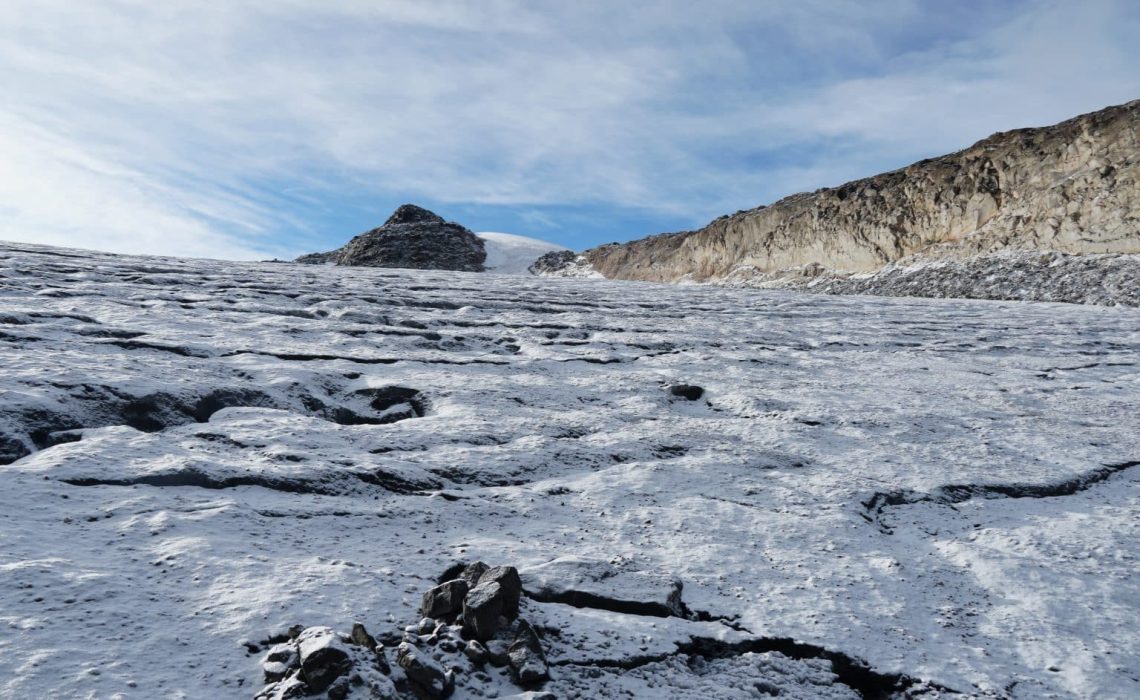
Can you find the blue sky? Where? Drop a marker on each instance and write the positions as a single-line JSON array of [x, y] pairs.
[[273, 128]]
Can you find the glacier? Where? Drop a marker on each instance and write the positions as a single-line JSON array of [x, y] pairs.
[[868, 497]]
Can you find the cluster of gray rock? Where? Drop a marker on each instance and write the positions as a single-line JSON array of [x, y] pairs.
[[317, 661], [412, 237], [481, 605], [469, 621], [553, 263]]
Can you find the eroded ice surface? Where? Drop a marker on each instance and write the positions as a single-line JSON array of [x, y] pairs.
[[945, 490]]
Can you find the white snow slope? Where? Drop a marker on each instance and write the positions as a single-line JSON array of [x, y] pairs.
[[946, 491], [508, 254]]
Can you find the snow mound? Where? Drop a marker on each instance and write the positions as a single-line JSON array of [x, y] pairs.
[[508, 254]]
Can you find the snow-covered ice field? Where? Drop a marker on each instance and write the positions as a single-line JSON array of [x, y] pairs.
[[937, 496], [509, 254]]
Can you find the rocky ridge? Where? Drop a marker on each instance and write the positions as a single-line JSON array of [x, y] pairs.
[[412, 238], [1070, 188]]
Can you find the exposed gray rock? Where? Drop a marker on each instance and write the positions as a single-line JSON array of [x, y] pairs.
[[12, 449], [528, 662], [318, 661], [424, 672], [482, 609], [445, 601], [360, 637], [472, 572], [564, 263], [328, 258], [323, 658], [279, 661], [510, 587], [427, 625], [475, 651], [554, 261], [497, 652], [339, 689], [1073, 188], [287, 689], [412, 237]]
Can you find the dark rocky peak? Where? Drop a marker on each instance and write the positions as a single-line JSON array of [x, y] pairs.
[[413, 238], [411, 214]]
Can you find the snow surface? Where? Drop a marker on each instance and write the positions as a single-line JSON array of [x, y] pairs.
[[509, 254], [938, 488]]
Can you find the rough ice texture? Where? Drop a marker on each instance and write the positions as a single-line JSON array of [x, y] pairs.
[[609, 585], [1072, 188], [945, 491]]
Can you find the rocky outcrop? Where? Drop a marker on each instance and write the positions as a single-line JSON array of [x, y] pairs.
[[446, 649], [555, 260], [563, 263], [1072, 188], [317, 661], [413, 238]]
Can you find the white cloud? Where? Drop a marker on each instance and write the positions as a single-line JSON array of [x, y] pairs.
[[59, 192], [196, 128], [1047, 65]]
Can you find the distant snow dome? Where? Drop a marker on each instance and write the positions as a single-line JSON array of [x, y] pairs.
[[508, 254]]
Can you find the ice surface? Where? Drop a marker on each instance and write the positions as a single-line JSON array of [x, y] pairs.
[[510, 254], [802, 500]]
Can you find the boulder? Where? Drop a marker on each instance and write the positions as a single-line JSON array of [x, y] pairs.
[[360, 637], [279, 661], [472, 572], [475, 651], [427, 626], [323, 658], [424, 672], [445, 601], [510, 587], [528, 662], [340, 689], [497, 652], [288, 689], [482, 608]]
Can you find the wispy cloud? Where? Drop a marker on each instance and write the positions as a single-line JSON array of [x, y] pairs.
[[245, 129]]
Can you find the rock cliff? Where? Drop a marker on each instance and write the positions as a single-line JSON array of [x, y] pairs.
[[1070, 188]]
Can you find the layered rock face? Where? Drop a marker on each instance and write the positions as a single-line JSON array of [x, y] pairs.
[[414, 238], [1070, 188]]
